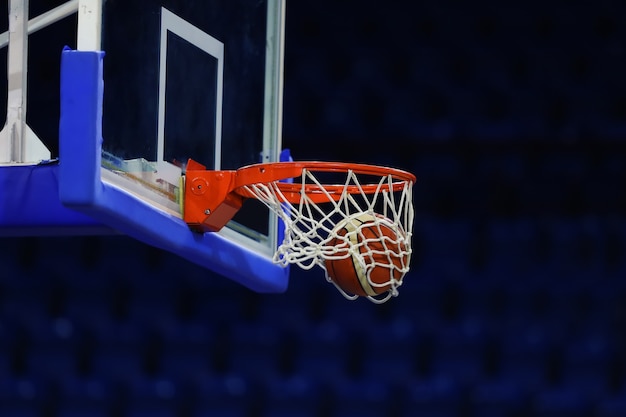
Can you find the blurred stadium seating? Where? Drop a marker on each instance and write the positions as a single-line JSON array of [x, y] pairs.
[[514, 119]]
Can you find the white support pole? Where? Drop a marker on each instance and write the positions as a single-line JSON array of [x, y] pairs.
[[45, 19], [89, 25], [18, 143]]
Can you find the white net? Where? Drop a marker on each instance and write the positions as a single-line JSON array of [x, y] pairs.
[[368, 228]]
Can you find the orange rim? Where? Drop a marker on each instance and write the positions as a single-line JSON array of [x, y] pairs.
[[274, 172]]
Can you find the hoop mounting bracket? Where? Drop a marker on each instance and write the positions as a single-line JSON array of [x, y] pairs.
[[209, 202]]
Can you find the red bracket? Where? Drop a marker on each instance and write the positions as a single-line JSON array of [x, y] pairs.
[[209, 202]]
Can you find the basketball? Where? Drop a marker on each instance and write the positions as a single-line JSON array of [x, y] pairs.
[[370, 255]]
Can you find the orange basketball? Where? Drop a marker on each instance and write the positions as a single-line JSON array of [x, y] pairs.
[[369, 255]]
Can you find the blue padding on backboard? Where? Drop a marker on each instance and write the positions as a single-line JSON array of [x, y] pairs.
[[80, 127], [81, 187], [30, 206]]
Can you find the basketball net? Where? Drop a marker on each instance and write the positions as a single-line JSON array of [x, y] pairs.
[[311, 238]]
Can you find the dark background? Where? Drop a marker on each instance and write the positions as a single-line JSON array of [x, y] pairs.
[[513, 117]]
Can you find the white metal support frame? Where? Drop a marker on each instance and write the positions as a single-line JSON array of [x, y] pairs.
[[89, 25], [18, 143], [209, 45]]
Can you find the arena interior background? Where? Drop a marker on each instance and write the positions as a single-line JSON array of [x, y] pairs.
[[513, 117]]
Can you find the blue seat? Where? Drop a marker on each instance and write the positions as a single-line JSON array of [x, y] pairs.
[[561, 401], [117, 363], [185, 362], [391, 366], [217, 409], [463, 368], [50, 361], [295, 395], [22, 411], [526, 347], [255, 348], [23, 396], [593, 382], [146, 411], [291, 411], [459, 349], [82, 411], [499, 396], [438, 395], [155, 396], [322, 351], [85, 392], [612, 405], [361, 396], [592, 350], [227, 395]]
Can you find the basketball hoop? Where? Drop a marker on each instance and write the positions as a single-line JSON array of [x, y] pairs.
[[348, 219]]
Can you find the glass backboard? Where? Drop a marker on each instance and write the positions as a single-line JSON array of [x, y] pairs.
[[192, 79]]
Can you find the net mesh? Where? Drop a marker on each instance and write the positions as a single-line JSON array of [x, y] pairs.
[[372, 228]]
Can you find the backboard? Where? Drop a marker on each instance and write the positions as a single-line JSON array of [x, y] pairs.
[[151, 83], [192, 79]]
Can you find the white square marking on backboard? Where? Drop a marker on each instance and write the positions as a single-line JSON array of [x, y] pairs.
[[202, 40]]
